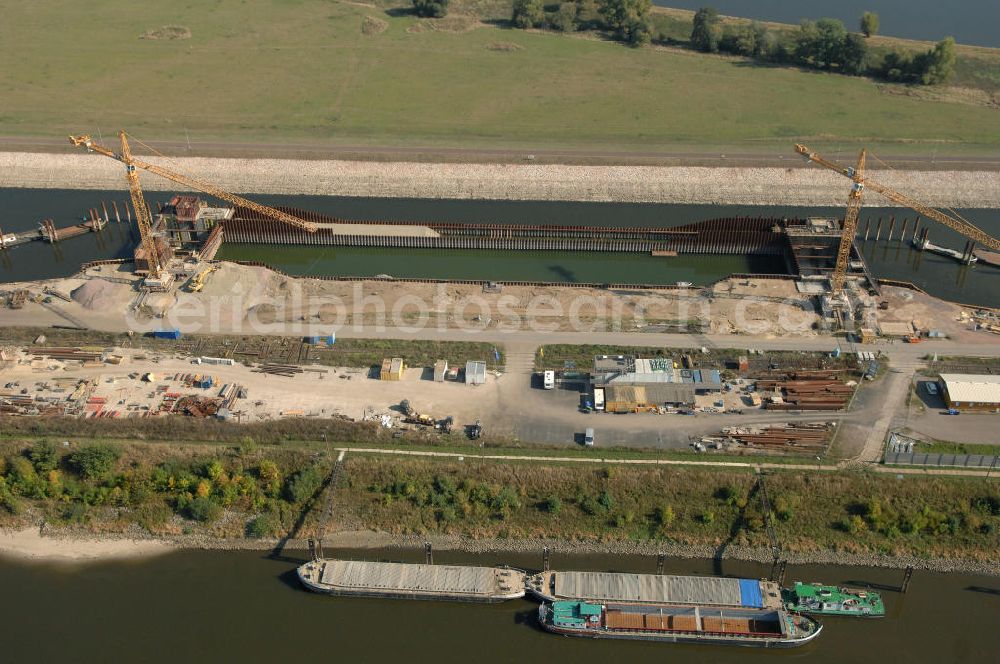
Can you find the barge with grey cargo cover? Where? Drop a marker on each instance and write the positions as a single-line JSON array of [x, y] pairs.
[[355, 578], [654, 589]]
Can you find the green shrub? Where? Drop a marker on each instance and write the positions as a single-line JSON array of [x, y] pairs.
[[552, 505], [94, 462], [265, 525], [665, 515], [153, 517], [204, 510], [44, 456], [303, 485]]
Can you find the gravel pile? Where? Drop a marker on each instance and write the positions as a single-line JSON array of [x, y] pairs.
[[648, 184]]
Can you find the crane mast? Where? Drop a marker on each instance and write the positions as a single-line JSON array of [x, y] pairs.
[[143, 217], [850, 225], [132, 163], [861, 182]]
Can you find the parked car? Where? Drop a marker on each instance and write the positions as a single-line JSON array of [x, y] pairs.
[[588, 437], [952, 411], [932, 388]]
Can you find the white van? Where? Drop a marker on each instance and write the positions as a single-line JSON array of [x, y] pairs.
[[549, 380], [588, 438]]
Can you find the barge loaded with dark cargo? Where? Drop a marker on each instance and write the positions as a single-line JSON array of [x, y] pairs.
[[762, 628]]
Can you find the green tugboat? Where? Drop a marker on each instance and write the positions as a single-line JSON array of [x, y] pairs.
[[819, 599]]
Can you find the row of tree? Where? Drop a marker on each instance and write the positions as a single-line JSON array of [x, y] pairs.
[[823, 44]]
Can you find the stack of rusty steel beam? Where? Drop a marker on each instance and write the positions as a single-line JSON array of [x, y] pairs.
[[286, 370], [812, 436], [819, 390], [68, 354], [197, 406]]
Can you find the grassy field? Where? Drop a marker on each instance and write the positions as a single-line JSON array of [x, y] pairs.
[[851, 512], [305, 71]]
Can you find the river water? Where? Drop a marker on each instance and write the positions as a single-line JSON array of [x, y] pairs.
[[200, 606], [968, 21], [23, 208]]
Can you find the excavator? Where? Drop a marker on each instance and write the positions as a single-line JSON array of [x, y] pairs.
[[860, 183], [198, 281]]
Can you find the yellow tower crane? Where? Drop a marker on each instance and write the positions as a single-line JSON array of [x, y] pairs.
[[861, 183], [131, 163]]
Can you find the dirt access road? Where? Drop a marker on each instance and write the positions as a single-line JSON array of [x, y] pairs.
[[535, 154]]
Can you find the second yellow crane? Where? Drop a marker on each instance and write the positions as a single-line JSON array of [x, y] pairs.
[[861, 183]]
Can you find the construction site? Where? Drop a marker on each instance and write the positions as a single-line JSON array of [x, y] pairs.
[[813, 266], [273, 341]]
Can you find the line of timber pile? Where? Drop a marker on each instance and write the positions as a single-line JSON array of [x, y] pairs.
[[286, 370]]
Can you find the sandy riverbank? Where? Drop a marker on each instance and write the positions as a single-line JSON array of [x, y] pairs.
[[30, 544], [639, 184], [380, 540]]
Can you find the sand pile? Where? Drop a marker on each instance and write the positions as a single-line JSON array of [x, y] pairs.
[[100, 295]]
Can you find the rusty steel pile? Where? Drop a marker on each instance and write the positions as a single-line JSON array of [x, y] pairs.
[[811, 436], [822, 389]]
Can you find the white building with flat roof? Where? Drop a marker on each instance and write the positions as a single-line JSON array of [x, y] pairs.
[[971, 391]]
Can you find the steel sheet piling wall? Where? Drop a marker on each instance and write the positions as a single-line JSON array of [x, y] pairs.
[[718, 236]]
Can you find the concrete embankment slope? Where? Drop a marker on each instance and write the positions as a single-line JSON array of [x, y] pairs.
[[638, 184]]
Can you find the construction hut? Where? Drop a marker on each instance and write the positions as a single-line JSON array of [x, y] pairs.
[[475, 372], [704, 380], [440, 370], [392, 369], [867, 335], [971, 392], [629, 398]]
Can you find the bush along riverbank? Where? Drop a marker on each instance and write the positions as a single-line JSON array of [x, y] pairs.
[[248, 497]]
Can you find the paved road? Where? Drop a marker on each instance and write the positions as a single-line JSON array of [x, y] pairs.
[[897, 353], [524, 154]]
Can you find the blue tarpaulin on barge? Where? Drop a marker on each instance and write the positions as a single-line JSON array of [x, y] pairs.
[[750, 595]]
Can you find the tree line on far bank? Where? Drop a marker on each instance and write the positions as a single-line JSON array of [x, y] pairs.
[[824, 44]]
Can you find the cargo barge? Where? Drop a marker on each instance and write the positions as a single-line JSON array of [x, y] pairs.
[[762, 628], [819, 599], [655, 589], [350, 578]]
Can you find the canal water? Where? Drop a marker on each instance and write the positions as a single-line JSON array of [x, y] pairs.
[[246, 607], [23, 208], [968, 21]]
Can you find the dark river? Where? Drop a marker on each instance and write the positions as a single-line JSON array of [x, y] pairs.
[[23, 208], [245, 607], [968, 21]]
